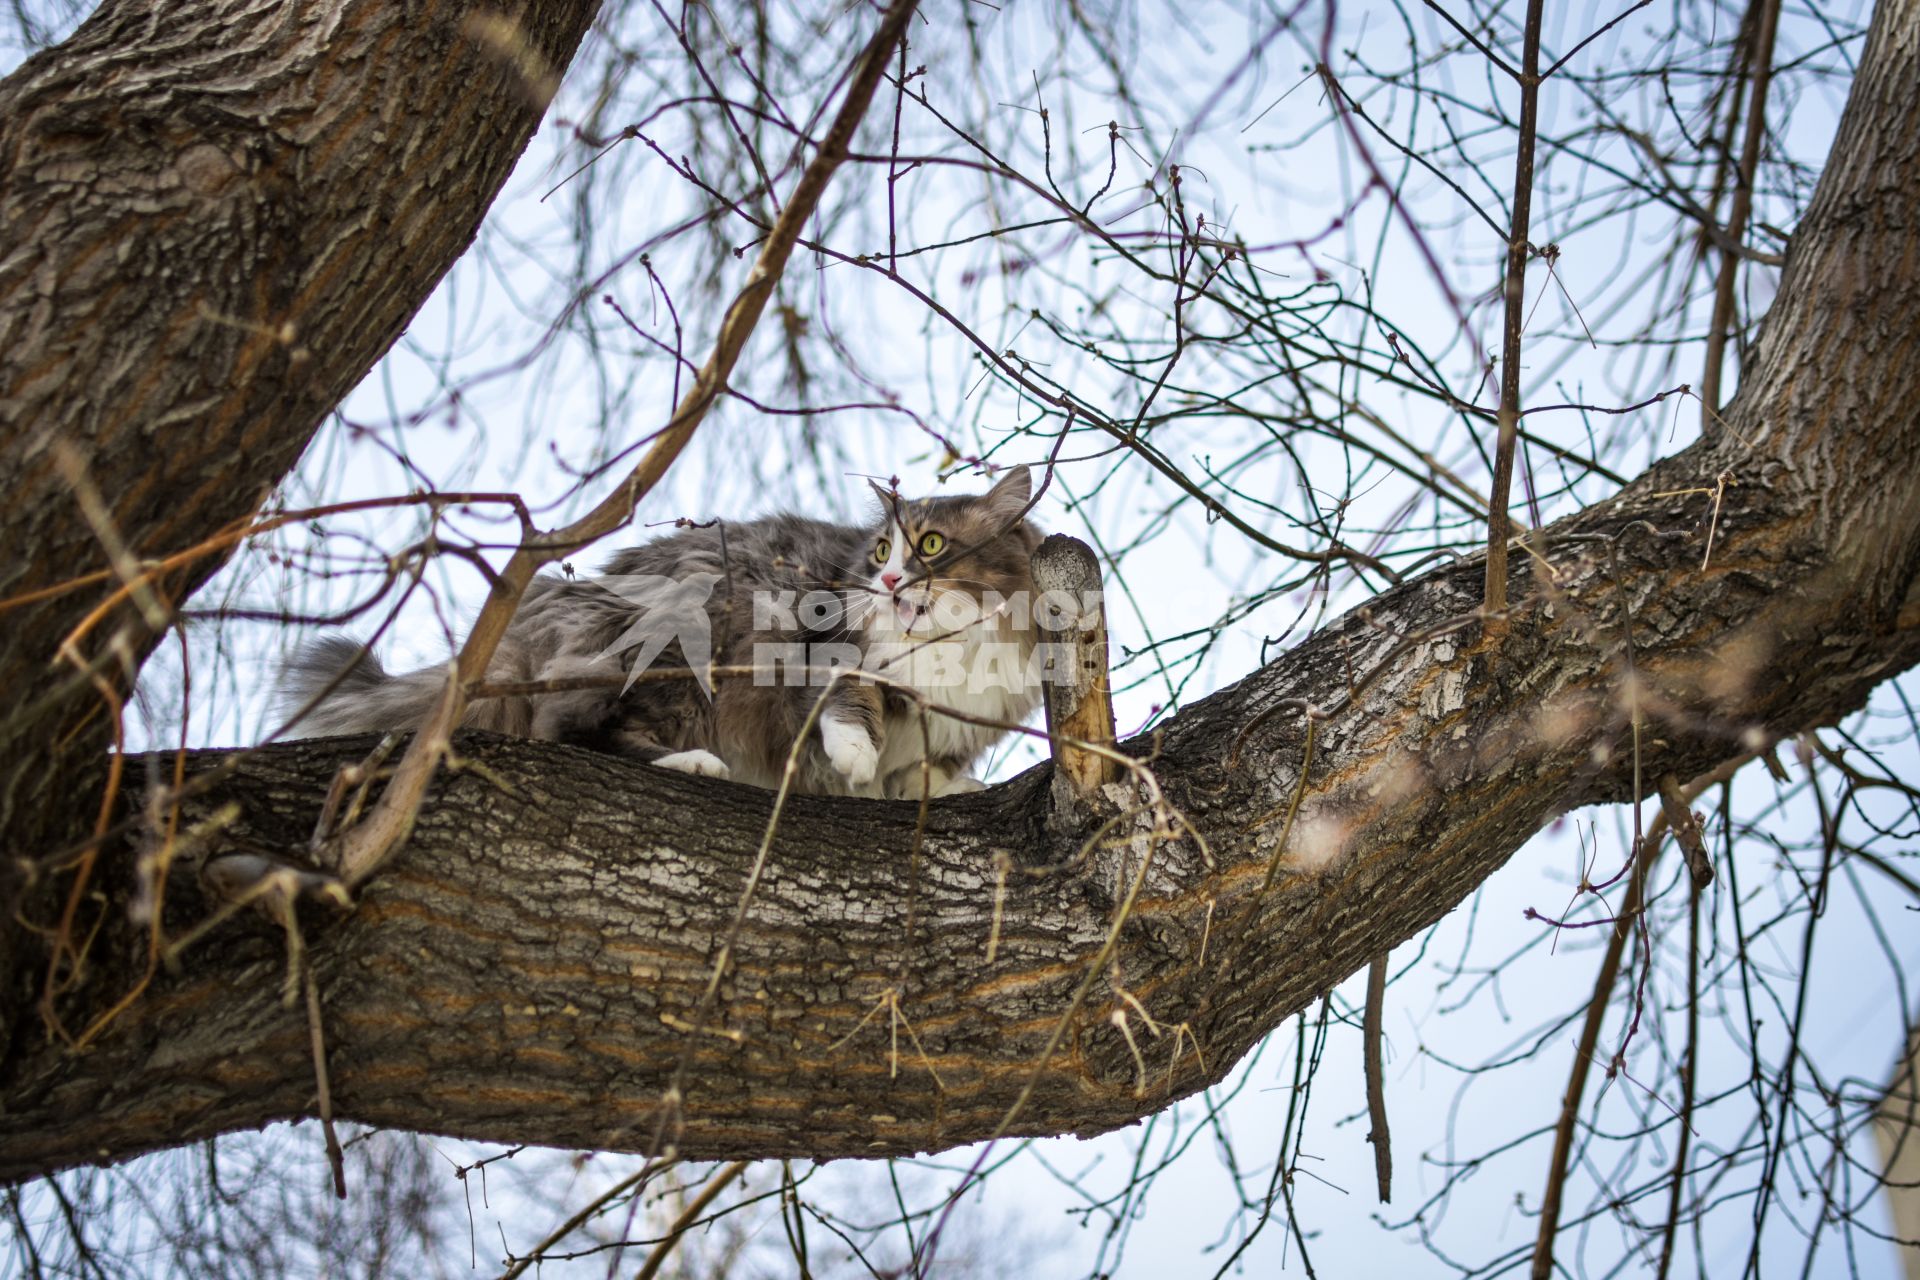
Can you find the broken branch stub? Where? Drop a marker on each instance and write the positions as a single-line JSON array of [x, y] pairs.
[[1079, 702]]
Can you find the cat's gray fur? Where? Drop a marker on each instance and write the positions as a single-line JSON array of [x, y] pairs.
[[868, 739]]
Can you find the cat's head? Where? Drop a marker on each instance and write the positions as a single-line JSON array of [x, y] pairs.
[[951, 565]]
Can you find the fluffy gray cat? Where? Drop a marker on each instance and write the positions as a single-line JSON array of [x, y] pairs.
[[931, 596]]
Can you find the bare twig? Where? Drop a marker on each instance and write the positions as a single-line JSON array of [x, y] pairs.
[[688, 1216], [1717, 329], [1687, 1068], [1499, 525], [1686, 830], [1585, 1051], [1376, 1083], [518, 1266], [321, 1083], [1603, 982]]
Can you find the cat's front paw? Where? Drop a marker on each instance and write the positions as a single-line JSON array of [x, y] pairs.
[[850, 750], [703, 763], [960, 785]]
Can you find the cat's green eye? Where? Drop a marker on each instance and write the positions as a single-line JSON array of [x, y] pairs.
[[932, 544], [881, 550]]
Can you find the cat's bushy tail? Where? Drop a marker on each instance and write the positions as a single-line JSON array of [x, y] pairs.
[[361, 697]]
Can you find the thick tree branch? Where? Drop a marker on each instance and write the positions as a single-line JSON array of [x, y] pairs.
[[210, 233], [526, 968], [213, 220]]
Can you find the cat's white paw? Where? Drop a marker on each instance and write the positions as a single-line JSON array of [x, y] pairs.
[[704, 763], [960, 785], [849, 749]]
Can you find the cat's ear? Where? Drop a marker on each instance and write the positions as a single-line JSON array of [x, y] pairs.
[[889, 501], [1007, 501]]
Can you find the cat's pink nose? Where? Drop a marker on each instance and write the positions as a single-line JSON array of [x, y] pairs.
[[890, 580]]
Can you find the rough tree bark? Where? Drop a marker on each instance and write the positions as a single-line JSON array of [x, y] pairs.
[[532, 966], [214, 218]]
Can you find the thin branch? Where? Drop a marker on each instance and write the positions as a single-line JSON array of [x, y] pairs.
[[1583, 1055], [1486, 51], [688, 1216], [1499, 525], [1717, 329], [1376, 1084]]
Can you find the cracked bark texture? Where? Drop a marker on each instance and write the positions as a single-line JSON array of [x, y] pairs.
[[214, 218], [530, 968]]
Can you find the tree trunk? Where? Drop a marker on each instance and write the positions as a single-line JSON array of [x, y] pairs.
[[532, 967], [214, 218]]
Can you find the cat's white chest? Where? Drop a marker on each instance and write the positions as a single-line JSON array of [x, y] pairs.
[[973, 694], [955, 724]]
